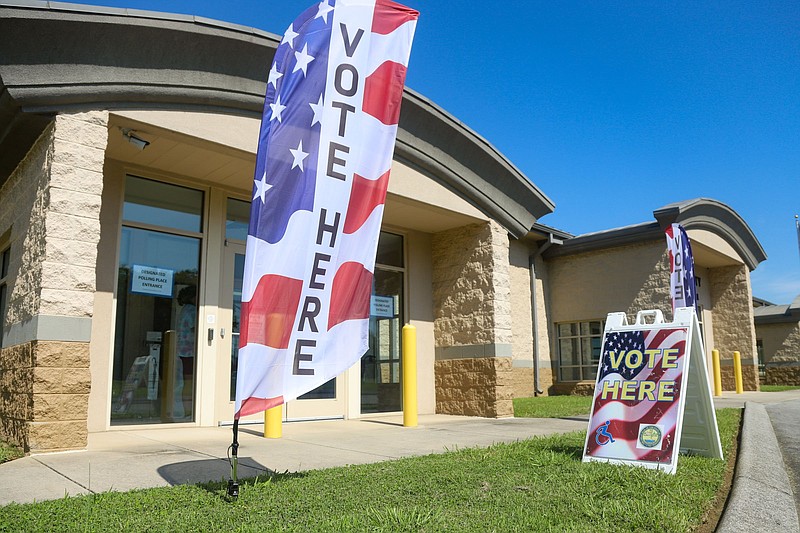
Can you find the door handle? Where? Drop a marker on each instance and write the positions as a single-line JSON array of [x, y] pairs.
[[221, 333], [210, 334]]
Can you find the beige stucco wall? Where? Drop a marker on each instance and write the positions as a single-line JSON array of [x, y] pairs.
[[781, 344], [420, 314], [472, 310], [588, 286], [522, 344], [51, 206]]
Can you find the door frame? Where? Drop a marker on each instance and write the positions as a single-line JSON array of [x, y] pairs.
[[311, 409]]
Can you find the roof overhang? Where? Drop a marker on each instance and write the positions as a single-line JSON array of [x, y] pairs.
[[58, 57], [697, 214], [777, 314]]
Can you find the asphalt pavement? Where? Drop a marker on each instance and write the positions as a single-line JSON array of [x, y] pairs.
[[785, 418], [764, 496]]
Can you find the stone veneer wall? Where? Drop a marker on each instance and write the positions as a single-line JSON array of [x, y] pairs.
[[50, 206], [733, 325], [472, 321], [781, 352], [475, 387]]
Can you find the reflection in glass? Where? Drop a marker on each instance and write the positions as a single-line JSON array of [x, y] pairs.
[[380, 366], [237, 220], [155, 345], [390, 250], [161, 204], [238, 278]]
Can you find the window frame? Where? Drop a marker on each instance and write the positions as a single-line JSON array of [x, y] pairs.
[[586, 371]]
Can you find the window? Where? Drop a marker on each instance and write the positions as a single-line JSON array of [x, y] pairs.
[[156, 339], [579, 345], [5, 256], [762, 368]]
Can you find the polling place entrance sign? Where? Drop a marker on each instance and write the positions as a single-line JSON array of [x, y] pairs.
[[652, 396]]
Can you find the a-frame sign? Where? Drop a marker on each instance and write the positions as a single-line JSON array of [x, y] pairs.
[[652, 395]]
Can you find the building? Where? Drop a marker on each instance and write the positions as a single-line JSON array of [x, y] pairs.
[[778, 342], [126, 169]]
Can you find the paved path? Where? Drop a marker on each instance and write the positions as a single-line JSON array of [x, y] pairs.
[[785, 418], [122, 460]]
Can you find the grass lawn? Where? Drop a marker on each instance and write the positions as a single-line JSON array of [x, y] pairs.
[[552, 406], [8, 453], [535, 485], [778, 388]]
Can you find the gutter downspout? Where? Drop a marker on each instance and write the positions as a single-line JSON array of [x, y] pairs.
[[534, 315]]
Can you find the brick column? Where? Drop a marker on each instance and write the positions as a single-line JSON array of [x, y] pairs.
[[733, 326], [51, 208], [472, 325]]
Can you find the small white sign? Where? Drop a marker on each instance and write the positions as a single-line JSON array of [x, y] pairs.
[[152, 280], [382, 306]]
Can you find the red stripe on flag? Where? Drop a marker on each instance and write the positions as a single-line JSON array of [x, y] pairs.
[[352, 286], [268, 317], [253, 405], [388, 16], [383, 92], [365, 196]]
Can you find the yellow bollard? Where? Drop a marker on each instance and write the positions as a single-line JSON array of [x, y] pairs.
[[409, 376], [737, 372], [717, 373], [273, 428]]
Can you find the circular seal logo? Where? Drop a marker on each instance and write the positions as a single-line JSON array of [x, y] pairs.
[[650, 436]]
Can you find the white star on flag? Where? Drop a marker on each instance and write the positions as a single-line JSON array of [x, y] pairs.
[[299, 155], [277, 108], [261, 188], [303, 59], [317, 109], [323, 10], [274, 76], [289, 36]]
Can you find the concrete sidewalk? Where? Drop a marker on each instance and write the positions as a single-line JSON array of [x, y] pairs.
[[128, 459]]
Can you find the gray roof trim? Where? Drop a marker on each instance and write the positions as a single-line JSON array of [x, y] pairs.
[[111, 58], [716, 217], [777, 314], [600, 240], [699, 213]]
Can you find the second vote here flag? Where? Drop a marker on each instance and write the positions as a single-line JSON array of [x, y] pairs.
[[322, 168]]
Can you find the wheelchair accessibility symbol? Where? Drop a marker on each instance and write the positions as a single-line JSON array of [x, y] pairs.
[[602, 433]]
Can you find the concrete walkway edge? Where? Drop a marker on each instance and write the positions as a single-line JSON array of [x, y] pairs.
[[761, 498]]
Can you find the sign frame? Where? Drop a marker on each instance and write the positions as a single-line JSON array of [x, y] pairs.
[[696, 428]]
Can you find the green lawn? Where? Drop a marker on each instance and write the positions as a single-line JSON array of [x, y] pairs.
[[8, 453], [778, 388], [535, 485], [552, 406]]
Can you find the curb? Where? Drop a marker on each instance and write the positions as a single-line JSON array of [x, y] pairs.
[[761, 498]]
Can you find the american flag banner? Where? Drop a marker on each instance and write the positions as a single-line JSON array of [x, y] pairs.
[[682, 286], [636, 406], [325, 150]]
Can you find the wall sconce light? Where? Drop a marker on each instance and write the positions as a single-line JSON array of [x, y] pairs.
[[134, 139]]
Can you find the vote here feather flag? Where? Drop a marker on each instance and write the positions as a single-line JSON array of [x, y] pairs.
[[322, 167], [681, 281]]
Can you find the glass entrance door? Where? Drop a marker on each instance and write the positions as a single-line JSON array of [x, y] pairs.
[[326, 401], [155, 343], [380, 367]]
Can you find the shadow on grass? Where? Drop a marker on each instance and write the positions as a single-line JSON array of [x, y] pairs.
[[207, 469], [220, 488], [573, 452]]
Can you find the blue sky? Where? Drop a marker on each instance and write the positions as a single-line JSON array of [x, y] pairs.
[[614, 109]]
